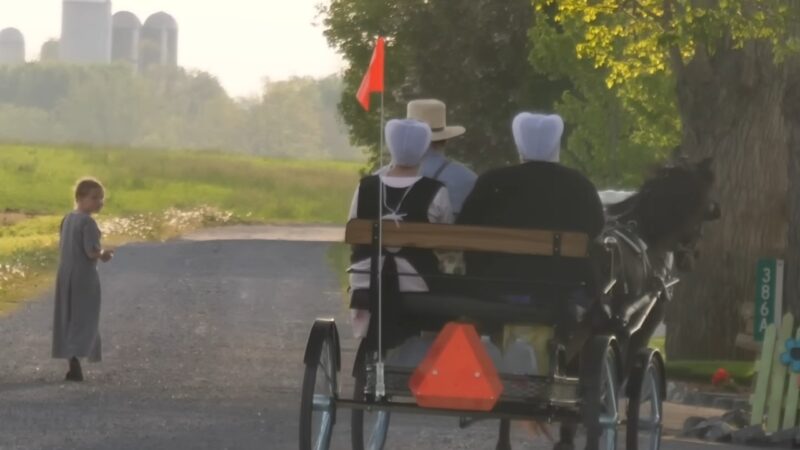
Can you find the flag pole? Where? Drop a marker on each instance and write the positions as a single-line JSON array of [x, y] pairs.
[[374, 82], [380, 386]]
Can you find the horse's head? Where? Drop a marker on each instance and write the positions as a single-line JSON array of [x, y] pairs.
[[672, 206], [687, 249]]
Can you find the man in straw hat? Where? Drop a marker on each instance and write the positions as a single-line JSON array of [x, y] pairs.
[[458, 179]]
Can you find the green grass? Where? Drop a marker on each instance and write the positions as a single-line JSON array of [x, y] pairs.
[[27, 258], [660, 344], [39, 180], [742, 372], [701, 371]]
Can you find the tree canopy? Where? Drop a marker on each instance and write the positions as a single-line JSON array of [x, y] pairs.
[[733, 69], [489, 60], [472, 54]]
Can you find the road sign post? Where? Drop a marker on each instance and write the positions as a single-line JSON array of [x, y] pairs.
[[769, 295]]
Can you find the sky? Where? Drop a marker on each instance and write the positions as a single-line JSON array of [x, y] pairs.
[[242, 42]]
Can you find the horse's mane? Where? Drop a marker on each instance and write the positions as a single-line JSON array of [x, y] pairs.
[[671, 197]]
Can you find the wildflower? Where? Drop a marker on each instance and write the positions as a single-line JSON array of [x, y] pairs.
[[720, 377]]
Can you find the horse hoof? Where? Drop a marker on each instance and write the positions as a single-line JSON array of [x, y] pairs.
[[564, 446], [74, 376]]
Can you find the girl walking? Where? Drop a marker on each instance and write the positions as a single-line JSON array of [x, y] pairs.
[[77, 299]]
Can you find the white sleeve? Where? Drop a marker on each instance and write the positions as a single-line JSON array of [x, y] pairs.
[[354, 206], [441, 210]]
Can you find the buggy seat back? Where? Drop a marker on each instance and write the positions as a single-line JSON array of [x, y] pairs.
[[467, 302]]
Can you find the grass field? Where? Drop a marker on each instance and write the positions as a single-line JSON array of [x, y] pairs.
[[151, 195], [39, 180]]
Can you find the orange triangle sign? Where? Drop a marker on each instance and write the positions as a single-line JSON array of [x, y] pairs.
[[457, 373]]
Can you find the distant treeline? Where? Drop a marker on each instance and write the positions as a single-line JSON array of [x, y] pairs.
[[170, 108]]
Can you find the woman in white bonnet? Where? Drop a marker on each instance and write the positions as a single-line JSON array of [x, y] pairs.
[[408, 197], [539, 193]]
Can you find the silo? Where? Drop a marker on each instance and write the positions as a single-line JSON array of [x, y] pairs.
[[12, 46], [49, 51], [126, 28], [159, 42], [86, 31]]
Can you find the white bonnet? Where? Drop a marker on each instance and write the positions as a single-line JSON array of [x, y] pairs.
[[408, 141], [538, 136]]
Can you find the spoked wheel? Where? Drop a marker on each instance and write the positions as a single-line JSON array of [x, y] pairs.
[[369, 429], [318, 402], [645, 405], [601, 395]]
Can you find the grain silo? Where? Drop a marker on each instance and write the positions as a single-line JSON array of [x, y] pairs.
[[49, 51], [12, 46], [126, 28], [86, 31], [159, 41]]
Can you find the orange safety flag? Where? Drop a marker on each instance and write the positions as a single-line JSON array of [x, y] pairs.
[[457, 373], [373, 80]]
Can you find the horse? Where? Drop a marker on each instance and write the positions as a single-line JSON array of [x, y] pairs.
[[657, 233], [653, 235]]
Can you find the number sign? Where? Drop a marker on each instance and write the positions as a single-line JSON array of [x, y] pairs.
[[769, 295]]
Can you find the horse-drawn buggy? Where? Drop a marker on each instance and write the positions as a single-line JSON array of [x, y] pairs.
[[573, 353]]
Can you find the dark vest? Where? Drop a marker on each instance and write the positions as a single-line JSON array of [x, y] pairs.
[[415, 206]]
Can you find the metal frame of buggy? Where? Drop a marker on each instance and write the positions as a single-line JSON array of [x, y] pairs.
[[591, 396]]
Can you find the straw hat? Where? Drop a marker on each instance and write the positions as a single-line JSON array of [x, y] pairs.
[[434, 113]]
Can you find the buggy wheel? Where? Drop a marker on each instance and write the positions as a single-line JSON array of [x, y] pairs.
[[318, 401], [369, 429], [645, 404], [600, 387]]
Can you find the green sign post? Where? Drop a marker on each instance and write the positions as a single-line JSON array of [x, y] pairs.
[[769, 295]]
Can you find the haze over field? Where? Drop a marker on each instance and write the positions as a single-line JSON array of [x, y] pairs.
[[251, 77], [240, 41]]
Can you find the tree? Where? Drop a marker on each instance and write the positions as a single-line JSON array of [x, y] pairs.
[[472, 54], [613, 138], [734, 65], [106, 108]]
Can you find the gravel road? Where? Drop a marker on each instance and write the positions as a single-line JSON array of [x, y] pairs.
[[203, 344]]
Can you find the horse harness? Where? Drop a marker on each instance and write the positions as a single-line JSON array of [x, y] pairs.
[[626, 234]]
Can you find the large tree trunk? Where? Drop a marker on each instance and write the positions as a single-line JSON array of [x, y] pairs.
[[791, 110], [732, 109]]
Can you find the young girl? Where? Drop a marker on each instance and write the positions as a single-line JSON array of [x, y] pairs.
[[77, 299]]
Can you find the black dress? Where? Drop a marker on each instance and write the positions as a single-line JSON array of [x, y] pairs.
[[533, 195]]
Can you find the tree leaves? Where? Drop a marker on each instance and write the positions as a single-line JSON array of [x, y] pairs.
[[472, 54]]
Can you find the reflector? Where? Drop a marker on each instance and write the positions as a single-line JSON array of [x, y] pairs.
[[457, 373]]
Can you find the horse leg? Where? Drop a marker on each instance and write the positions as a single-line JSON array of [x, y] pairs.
[[641, 339], [504, 438], [566, 439]]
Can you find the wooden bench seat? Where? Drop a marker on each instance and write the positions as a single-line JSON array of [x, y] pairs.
[[470, 238]]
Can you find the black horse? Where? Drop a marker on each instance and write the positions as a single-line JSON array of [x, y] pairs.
[[652, 236], [657, 233]]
